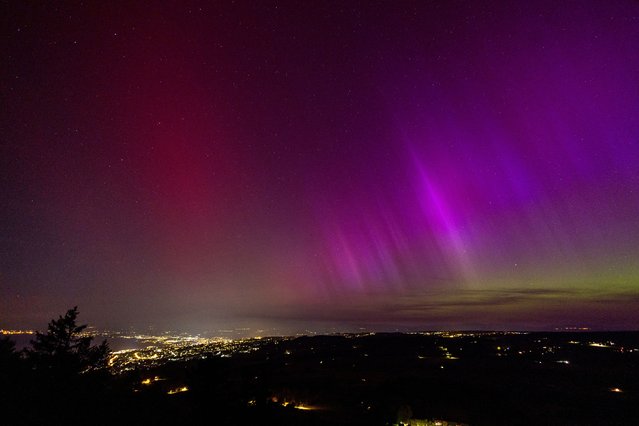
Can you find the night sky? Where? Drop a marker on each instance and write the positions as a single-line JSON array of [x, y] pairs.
[[320, 165]]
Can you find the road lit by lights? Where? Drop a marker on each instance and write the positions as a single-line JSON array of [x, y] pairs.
[[178, 390], [304, 407]]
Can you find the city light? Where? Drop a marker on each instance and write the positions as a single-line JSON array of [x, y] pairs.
[[12, 332], [304, 407], [178, 390], [151, 380], [598, 345]]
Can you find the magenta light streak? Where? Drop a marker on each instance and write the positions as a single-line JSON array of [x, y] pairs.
[[446, 227]]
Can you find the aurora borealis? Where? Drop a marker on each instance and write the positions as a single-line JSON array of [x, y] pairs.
[[321, 165]]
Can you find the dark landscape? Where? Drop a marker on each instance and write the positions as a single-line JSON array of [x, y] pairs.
[[420, 378]]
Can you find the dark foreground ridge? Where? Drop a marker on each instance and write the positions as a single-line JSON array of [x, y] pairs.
[[475, 378]]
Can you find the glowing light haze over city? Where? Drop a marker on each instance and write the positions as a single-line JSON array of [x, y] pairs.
[[321, 165]]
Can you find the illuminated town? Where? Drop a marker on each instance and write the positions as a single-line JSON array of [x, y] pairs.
[[287, 369], [161, 349], [373, 377]]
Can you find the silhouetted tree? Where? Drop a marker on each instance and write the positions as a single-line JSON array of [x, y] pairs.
[[54, 390], [65, 349], [9, 362], [7, 350]]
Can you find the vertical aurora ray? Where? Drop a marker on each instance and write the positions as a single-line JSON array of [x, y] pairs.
[[446, 228]]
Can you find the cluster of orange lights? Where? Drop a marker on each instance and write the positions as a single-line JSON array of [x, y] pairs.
[[151, 380], [11, 332], [295, 405], [178, 390]]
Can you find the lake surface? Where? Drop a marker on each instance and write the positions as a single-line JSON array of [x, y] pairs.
[[115, 343]]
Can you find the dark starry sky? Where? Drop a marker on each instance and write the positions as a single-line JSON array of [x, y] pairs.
[[308, 165]]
